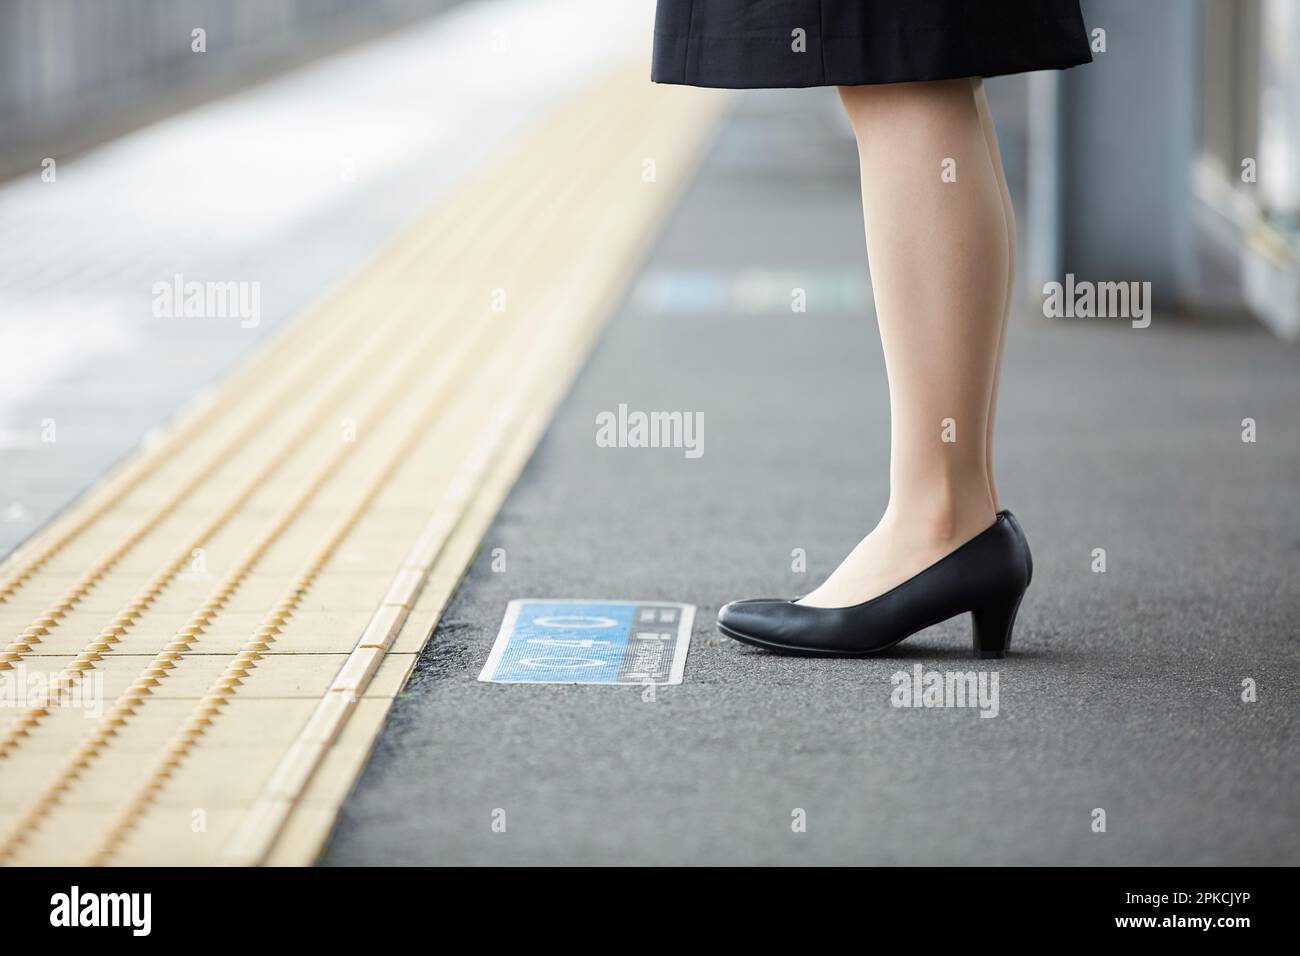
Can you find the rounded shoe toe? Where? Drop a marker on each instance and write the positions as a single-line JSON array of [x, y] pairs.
[[751, 618]]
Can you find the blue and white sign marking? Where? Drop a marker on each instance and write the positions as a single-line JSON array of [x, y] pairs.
[[591, 642]]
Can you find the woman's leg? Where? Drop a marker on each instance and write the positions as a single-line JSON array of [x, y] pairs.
[[1009, 214], [937, 241]]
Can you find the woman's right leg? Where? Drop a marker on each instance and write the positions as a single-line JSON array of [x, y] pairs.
[[936, 234]]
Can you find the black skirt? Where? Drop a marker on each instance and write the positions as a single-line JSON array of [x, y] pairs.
[[743, 44]]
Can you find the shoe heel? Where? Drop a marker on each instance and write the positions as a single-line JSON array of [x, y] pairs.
[[991, 628]]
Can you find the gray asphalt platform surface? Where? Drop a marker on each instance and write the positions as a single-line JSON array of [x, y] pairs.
[[1124, 691]]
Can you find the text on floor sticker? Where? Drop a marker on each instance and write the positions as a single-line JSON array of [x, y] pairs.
[[591, 642]]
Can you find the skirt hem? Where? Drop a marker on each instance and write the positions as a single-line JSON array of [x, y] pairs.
[[910, 78], [758, 61]]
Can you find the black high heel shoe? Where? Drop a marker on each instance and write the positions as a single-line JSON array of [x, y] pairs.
[[986, 577]]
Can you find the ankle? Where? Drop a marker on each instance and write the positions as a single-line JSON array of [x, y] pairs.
[[939, 520]]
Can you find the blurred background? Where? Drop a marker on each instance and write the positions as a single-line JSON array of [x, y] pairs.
[[1138, 168]]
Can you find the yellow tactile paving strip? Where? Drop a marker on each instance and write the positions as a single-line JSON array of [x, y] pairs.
[[250, 593]]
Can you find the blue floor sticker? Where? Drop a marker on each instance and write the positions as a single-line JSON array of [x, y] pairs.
[[591, 642]]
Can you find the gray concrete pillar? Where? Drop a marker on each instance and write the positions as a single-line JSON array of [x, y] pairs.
[[1111, 149]]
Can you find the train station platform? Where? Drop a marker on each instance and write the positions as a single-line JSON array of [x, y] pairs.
[[254, 577]]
